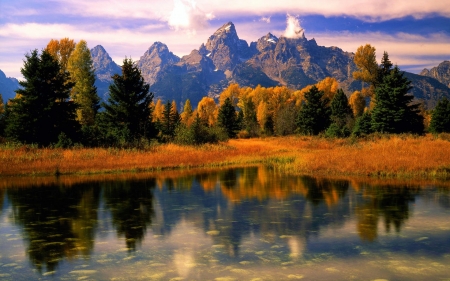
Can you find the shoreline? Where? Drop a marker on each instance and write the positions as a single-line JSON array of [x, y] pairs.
[[385, 156]]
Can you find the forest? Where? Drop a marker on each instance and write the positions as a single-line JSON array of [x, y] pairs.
[[58, 106]]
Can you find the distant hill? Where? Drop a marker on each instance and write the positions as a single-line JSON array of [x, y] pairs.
[[7, 86], [104, 67]]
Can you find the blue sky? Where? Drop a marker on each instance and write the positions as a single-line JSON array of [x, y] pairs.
[[416, 34]]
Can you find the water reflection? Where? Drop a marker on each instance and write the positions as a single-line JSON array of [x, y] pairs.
[[225, 217]]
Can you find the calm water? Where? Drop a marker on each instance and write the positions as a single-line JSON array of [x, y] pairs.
[[235, 224]]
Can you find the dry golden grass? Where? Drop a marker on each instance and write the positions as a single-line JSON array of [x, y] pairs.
[[384, 156]]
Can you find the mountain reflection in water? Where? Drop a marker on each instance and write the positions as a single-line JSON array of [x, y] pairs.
[[224, 211]]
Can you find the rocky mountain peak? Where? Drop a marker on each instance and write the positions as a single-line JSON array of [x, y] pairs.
[[440, 73], [225, 48], [104, 66], [154, 60]]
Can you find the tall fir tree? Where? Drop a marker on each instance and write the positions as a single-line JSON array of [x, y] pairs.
[[440, 117], [314, 115], [341, 116], [169, 122], [84, 93], [393, 111], [42, 109], [127, 112], [228, 119]]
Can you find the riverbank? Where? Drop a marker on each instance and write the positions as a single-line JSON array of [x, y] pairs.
[[376, 156]]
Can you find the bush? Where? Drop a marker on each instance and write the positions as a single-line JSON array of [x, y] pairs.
[[198, 134]]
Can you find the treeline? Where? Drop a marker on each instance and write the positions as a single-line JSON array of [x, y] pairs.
[[58, 105]]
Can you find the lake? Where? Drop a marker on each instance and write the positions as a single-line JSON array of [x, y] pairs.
[[229, 224]]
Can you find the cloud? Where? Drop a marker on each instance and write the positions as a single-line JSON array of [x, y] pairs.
[[293, 28], [265, 19], [187, 16]]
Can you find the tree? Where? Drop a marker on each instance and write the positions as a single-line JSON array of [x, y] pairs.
[[365, 60], [314, 116], [2, 111], [42, 111], [186, 115], [207, 111], [385, 67], [341, 115], [61, 51], [363, 125], [84, 93], [127, 113], [170, 120], [440, 117], [357, 103], [393, 111], [328, 86], [227, 118]]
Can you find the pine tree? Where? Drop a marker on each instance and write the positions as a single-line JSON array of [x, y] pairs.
[[393, 111], [385, 67], [440, 117], [227, 118], [169, 122], [363, 125], [341, 115], [127, 113], [84, 93], [42, 111], [314, 116]]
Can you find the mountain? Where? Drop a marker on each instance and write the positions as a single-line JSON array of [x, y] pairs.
[[104, 67], [440, 73], [270, 61], [7, 86]]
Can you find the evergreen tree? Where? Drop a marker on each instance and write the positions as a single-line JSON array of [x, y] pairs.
[[385, 67], [440, 117], [42, 110], [363, 125], [227, 118], [314, 116], [170, 120], [341, 115], [2, 116], [393, 111], [84, 93], [127, 113]]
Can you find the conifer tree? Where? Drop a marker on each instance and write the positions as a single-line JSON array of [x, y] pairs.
[[314, 116], [393, 111], [341, 115], [170, 120], [127, 112], [84, 93], [363, 125], [440, 117], [227, 118], [42, 111]]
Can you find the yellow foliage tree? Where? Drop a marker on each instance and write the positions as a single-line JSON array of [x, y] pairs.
[[207, 111], [262, 114], [329, 87], [365, 60], [61, 50], [357, 103], [159, 111], [233, 92], [186, 115]]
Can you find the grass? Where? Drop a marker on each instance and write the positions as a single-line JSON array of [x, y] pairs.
[[395, 156]]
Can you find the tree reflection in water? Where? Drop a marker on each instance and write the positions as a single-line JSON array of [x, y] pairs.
[[131, 207], [57, 221]]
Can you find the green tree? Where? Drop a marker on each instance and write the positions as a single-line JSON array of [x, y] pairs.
[[440, 117], [314, 115], [84, 93], [170, 120], [341, 116], [393, 111], [363, 125], [42, 110], [227, 118], [127, 113], [2, 116], [385, 67]]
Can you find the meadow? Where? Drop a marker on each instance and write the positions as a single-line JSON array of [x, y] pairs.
[[381, 156]]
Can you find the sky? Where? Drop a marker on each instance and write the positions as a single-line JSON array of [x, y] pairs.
[[415, 33]]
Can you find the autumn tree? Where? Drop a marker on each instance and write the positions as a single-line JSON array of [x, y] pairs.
[[127, 111], [357, 103], [440, 117], [329, 87], [207, 111], [394, 111], [186, 115], [61, 51], [232, 92], [84, 92], [228, 119], [314, 116], [43, 111], [365, 60]]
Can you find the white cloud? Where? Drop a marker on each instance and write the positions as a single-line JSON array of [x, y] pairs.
[[293, 28], [187, 16], [265, 19]]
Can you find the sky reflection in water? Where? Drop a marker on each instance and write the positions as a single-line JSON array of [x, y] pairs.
[[230, 224]]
